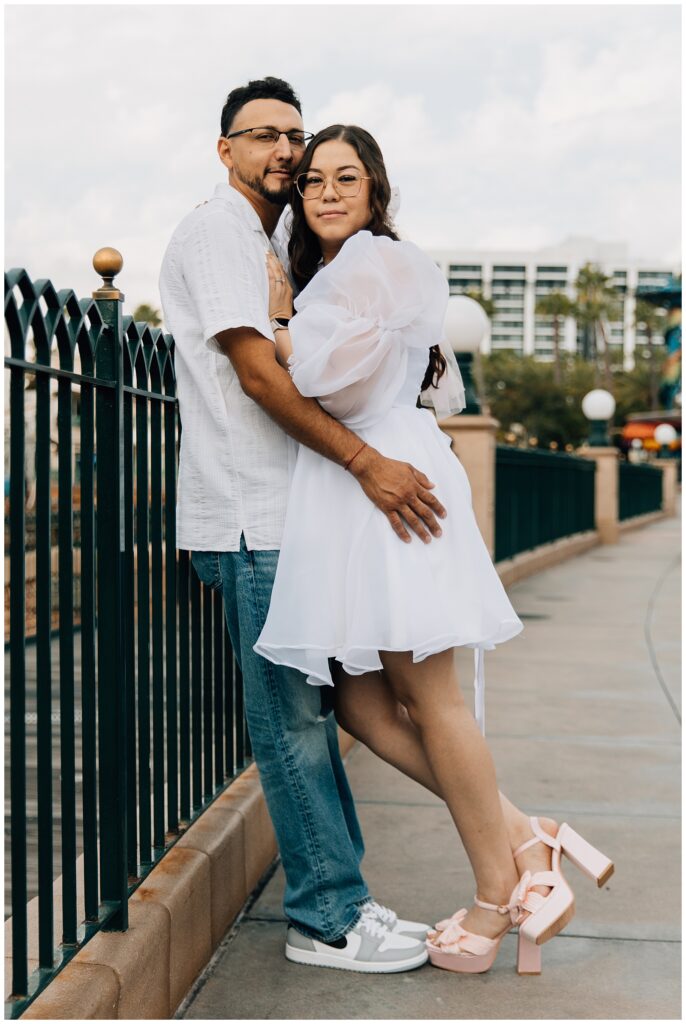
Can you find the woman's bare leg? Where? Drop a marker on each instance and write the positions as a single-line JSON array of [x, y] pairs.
[[463, 768], [366, 707]]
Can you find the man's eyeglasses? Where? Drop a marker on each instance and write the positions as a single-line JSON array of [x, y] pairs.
[[311, 185], [270, 136]]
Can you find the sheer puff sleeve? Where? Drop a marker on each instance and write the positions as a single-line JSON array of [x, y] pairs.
[[356, 320]]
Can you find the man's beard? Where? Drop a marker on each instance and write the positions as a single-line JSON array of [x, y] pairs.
[[258, 185]]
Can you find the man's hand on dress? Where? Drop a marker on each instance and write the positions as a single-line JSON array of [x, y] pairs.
[[401, 492]]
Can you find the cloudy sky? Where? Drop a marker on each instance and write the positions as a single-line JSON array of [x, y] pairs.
[[504, 126]]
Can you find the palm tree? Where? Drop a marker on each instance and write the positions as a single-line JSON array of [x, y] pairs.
[[596, 302], [147, 314], [558, 306], [650, 318]]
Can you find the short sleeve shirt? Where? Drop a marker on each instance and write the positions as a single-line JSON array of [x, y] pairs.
[[234, 461]]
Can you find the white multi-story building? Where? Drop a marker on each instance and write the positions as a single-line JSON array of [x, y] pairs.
[[516, 280]]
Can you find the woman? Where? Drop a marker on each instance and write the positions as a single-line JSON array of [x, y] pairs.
[[389, 614]]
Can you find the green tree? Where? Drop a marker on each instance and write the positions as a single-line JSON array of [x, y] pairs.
[[556, 305], [147, 314], [521, 389], [635, 389], [596, 302], [651, 319]]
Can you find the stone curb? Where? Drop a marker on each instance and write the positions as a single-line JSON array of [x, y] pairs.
[[177, 916], [511, 570], [644, 520]]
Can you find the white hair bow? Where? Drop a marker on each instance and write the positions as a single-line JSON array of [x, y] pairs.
[[394, 203]]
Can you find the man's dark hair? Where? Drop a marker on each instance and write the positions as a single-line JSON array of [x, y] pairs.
[[261, 89]]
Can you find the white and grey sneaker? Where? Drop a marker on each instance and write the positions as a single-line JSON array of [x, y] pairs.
[[395, 924], [369, 947]]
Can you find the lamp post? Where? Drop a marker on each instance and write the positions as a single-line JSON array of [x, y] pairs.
[[472, 433], [465, 327], [636, 453], [598, 407], [664, 435]]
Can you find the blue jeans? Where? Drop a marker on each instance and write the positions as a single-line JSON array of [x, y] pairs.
[[295, 742]]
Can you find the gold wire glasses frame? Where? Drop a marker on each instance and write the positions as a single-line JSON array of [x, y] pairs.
[[311, 186], [268, 136]]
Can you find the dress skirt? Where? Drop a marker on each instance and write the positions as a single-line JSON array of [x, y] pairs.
[[347, 587]]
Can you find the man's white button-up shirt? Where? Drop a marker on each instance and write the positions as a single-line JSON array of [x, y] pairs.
[[234, 460]]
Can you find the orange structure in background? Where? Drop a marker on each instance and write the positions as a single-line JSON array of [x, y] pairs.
[[642, 426]]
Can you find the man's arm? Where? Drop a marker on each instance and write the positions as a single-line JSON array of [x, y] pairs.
[[399, 490]]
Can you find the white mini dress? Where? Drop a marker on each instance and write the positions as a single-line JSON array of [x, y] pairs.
[[346, 586]]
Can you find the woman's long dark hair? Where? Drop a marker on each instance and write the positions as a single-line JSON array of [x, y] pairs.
[[304, 250]]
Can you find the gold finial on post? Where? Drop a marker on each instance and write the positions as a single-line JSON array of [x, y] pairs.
[[108, 262]]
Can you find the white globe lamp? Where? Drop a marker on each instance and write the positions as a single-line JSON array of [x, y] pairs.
[[466, 324], [664, 435], [598, 407]]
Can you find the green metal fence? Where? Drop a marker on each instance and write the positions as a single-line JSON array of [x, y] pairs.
[[640, 490], [540, 497], [133, 685]]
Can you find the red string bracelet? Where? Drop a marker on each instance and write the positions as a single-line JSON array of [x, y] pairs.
[[349, 462]]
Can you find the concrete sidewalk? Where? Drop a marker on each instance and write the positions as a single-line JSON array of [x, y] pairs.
[[582, 722]]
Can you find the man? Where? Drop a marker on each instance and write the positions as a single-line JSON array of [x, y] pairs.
[[240, 412]]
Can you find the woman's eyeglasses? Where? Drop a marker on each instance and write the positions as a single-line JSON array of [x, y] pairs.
[[311, 185]]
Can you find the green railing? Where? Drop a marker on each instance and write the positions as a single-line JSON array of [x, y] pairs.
[[132, 686], [540, 497], [640, 490]]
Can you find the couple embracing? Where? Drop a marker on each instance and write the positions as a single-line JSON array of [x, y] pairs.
[[320, 497]]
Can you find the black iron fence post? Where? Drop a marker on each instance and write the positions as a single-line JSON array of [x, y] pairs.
[[18, 672], [156, 660], [112, 664]]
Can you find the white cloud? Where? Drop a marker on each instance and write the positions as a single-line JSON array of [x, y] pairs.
[[398, 121], [503, 126]]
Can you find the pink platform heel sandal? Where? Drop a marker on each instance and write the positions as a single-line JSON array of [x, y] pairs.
[[549, 914], [453, 948], [539, 917]]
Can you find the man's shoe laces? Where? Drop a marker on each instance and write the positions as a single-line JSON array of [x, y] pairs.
[[388, 916], [371, 923]]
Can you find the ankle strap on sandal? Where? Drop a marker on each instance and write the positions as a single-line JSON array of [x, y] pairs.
[[518, 900], [540, 836]]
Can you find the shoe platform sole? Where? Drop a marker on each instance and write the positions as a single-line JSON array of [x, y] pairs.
[[314, 959], [556, 927], [461, 963]]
